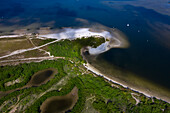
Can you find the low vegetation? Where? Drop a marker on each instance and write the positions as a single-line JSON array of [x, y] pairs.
[[10, 45], [71, 73], [71, 49]]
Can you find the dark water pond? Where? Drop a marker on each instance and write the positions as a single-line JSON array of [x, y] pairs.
[[39, 78], [42, 77], [60, 104]]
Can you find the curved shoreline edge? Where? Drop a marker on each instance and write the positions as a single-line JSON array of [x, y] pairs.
[[96, 71], [85, 33], [113, 38]]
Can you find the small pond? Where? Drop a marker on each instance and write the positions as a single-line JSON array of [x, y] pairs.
[[60, 104]]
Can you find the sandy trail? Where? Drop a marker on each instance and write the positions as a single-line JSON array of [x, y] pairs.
[[137, 100], [10, 36], [33, 58], [25, 50]]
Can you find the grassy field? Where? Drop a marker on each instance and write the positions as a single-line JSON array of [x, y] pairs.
[[9, 45]]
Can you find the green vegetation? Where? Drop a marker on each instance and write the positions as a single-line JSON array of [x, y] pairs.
[[9, 73], [71, 49], [105, 98], [146, 106]]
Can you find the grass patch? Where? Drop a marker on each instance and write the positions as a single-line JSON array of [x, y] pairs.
[[12, 45]]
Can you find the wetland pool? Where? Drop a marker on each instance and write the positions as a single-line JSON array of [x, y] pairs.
[[60, 104]]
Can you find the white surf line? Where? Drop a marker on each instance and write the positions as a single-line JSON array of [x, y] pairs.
[[95, 71], [92, 69], [25, 50], [33, 58]]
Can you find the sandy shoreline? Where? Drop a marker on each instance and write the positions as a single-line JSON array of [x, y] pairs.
[[116, 40], [97, 72]]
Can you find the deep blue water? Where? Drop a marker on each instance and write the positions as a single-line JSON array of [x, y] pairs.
[[148, 33]]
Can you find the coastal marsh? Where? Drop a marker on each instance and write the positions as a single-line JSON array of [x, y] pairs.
[[106, 96], [37, 35]]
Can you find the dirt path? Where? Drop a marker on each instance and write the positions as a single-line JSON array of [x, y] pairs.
[[33, 58], [10, 36], [25, 50], [137, 100]]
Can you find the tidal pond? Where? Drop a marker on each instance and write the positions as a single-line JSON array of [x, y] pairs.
[[60, 104], [42, 77], [39, 78]]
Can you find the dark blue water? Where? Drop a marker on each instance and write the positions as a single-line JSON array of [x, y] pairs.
[[148, 33]]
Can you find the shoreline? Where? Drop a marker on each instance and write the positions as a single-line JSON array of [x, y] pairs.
[[113, 38], [84, 32], [97, 72]]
